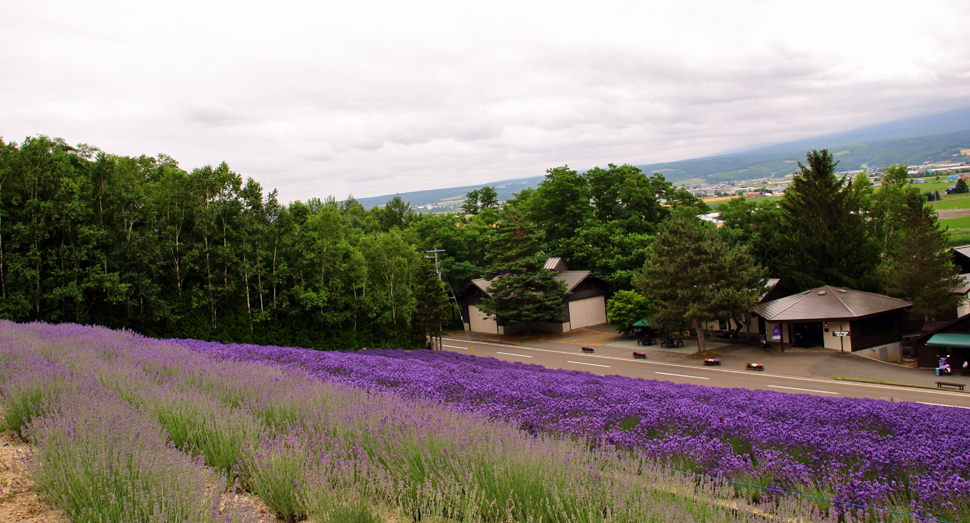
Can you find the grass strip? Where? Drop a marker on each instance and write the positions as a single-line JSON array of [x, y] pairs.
[[883, 382]]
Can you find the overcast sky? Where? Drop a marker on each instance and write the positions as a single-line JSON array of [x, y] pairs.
[[371, 98]]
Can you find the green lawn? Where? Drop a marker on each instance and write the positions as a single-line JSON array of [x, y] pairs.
[[957, 223], [934, 186], [956, 201], [958, 238]]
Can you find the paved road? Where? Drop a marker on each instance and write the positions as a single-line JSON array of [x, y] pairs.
[[618, 360]]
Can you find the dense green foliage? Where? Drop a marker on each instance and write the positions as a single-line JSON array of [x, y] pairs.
[[920, 268], [627, 308], [139, 243], [823, 226], [522, 291], [694, 275], [828, 230]]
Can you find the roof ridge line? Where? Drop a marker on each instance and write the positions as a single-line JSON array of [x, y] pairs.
[[844, 304], [794, 302]]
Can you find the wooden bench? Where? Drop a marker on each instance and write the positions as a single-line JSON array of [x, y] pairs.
[[941, 384], [587, 349]]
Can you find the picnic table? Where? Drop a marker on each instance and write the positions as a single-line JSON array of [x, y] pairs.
[[671, 342], [646, 340]]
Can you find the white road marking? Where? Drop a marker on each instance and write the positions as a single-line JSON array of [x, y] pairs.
[[510, 354], [941, 405], [591, 364], [854, 384], [683, 376], [455, 347], [804, 390]]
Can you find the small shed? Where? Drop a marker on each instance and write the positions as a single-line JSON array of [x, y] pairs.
[[584, 305], [865, 323], [951, 338]]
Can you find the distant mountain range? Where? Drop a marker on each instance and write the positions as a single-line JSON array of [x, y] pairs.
[[911, 141], [863, 155]]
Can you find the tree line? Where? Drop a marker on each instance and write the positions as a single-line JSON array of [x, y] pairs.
[[664, 262], [140, 243]]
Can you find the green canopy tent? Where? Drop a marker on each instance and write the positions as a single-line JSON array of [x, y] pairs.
[[949, 339], [642, 323]]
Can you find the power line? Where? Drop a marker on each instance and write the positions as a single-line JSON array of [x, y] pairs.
[[436, 268]]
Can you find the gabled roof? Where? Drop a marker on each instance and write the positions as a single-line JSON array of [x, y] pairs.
[[963, 250], [961, 257], [960, 325], [828, 303], [964, 286], [481, 284], [555, 264], [775, 288], [572, 279]]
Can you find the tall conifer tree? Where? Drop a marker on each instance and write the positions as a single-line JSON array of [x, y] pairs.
[[522, 291], [920, 267], [694, 276], [824, 233]]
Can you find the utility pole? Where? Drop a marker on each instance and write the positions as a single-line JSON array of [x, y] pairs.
[[437, 269]]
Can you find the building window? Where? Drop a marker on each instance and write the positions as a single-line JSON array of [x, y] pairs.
[[875, 325]]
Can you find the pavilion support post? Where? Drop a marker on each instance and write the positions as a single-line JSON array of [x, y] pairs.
[[781, 336]]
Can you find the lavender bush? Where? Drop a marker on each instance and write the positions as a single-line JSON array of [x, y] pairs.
[[106, 462], [381, 444], [867, 452]]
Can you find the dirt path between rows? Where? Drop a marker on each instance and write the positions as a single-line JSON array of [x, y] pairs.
[[18, 499]]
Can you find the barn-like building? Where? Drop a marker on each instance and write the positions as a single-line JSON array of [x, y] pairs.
[[584, 305]]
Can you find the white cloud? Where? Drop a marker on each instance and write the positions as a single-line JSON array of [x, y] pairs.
[[382, 97]]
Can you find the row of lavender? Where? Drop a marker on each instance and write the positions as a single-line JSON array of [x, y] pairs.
[[123, 426], [854, 450]]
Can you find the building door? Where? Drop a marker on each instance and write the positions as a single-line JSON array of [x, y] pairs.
[[810, 333], [583, 313], [479, 322]]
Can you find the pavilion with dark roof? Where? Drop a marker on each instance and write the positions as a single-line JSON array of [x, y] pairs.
[[836, 318]]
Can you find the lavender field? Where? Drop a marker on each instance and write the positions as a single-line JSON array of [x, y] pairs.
[[126, 428], [903, 455]]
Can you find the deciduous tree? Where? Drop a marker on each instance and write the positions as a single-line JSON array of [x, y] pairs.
[[626, 308]]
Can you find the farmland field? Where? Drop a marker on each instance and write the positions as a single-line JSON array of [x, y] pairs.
[[125, 423], [957, 223], [961, 201]]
